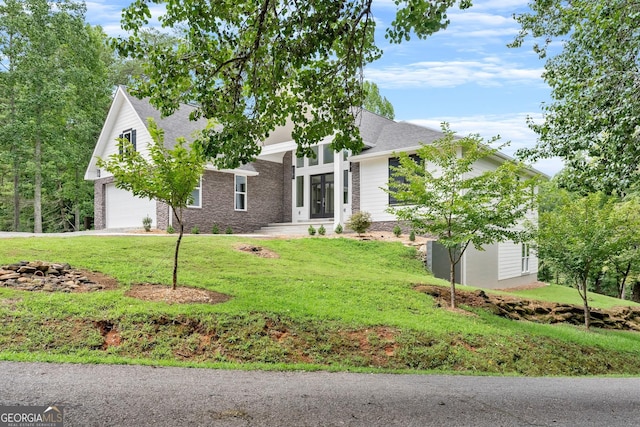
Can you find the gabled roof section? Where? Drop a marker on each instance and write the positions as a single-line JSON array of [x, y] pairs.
[[384, 136], [371, 126], [174, 126]]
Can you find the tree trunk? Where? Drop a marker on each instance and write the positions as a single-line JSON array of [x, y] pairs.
[[16, 193], [37, 191], [175, 256], [76, 207], [622, 290], [582, 290], [635, 294], [452, 278], [14, 146]]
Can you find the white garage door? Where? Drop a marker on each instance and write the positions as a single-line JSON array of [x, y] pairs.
[[124, 210]]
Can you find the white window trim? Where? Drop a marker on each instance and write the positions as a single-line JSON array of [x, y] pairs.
[[197, 205], [244, 193], [526, 258]]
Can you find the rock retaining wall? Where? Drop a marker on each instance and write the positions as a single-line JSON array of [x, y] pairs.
[[47, 277]]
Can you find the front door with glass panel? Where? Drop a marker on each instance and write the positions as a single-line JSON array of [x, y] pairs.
[[322, 196]]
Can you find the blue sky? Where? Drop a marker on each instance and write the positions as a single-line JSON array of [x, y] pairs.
[[464, 75]]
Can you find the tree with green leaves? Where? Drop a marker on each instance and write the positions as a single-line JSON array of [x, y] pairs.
[[592, 122], [252, 65], [623, 260], [577, 238], [11, 127], [168, 176], [444, 195], [54, 97], [375, 102]]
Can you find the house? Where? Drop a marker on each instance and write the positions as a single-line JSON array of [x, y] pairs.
[[279, 187]]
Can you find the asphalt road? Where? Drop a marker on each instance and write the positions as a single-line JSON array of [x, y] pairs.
[[107, 395]]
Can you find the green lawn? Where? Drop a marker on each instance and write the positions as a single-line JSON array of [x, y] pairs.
[[567, 295], [335, 304]]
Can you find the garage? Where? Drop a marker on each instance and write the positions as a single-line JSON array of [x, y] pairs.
[[124, 210]]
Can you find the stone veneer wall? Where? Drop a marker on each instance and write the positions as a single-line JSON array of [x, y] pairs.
[[388, 226], [163, 211], [99, 200], [287, 195], [355, 187], [265, 194]]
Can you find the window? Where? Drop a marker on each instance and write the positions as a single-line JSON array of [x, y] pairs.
[[299, 191], [345, 187], [240, 193], [300, 162], [129, 135], [327, 154], [394, 162], [525, 257], [196, 196], [313, 161]]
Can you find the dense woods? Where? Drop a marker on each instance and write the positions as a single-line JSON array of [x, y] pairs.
[[53, 100]]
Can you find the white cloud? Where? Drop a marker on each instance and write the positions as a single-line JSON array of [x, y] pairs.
[[481, 19], [107, 15], [503, 5], [510, 127], [488, 71]]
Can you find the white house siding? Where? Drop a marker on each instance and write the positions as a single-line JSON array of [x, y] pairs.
[[509, 260], [374, 176], [126, 119], [483, 165]]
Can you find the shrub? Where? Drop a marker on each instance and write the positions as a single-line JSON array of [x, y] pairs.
[[412, 236], [170, 229], [311, 230], [228, 230], [146, 223], [195, 230], [322, 231], [359, 222], [397, 231], [215, 229], [338, 229]]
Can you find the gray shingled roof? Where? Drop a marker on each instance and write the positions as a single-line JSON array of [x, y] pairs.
[[174, 126], [384, 135], [378, 133]]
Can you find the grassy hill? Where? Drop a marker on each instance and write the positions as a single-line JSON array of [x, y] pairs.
[[334, 304]]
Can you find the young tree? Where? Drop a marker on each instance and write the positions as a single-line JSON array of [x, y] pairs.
[[169, 176], [443, 195], [590, 123], [253, 65], [375, 102], [577, 237]]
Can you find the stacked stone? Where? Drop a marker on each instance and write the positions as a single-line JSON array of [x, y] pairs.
[[47, 277]]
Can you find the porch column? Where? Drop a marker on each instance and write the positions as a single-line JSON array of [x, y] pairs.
[[338, 180]]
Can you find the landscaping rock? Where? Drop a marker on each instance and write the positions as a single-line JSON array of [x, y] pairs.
[[46, 277], [626, 318]]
